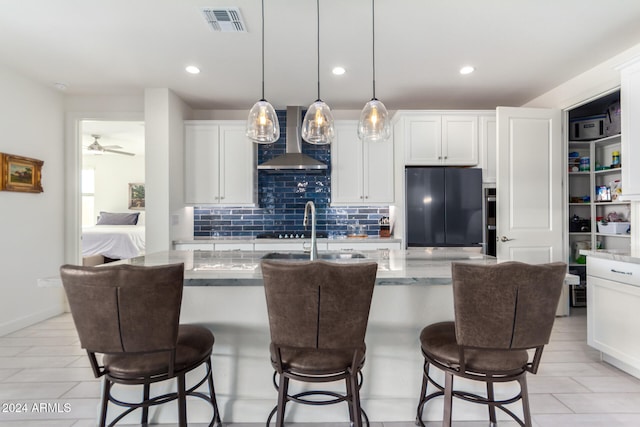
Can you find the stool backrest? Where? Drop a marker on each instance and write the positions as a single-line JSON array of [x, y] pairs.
[[125, 308], [318, 304], [510, 305]]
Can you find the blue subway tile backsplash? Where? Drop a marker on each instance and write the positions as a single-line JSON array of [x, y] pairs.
[[282, 196]]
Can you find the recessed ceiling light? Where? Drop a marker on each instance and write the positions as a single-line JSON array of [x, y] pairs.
[[192, 69], [467, 69], [338, 71], [60, 86]]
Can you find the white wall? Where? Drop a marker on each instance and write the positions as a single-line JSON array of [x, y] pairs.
[[31, 225], [113, 174], [167, 218]]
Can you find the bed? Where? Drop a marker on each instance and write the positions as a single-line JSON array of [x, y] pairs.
[[115, 236]]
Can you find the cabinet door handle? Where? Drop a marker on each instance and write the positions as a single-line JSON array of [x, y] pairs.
[[627, 273]]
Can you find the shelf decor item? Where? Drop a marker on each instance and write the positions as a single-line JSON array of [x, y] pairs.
[[20, 174], [603, 193]]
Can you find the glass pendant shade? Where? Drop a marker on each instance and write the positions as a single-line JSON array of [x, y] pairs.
[[374, 122], [262, 125], [317, 126]]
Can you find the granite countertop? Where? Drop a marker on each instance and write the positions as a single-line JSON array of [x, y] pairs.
[[613, 255], [242, 268]]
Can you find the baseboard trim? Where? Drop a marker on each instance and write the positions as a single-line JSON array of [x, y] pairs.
[[31, 319]]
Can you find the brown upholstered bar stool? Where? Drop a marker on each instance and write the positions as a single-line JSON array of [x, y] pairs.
[[130, 315], [318, 315], [501, 311]]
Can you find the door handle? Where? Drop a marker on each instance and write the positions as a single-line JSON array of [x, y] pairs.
[[505, 239]]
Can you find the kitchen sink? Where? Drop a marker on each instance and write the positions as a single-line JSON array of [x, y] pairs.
[[305, 256]]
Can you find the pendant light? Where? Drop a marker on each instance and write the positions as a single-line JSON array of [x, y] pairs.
[[317, 126], [262, 125], [374, 119]]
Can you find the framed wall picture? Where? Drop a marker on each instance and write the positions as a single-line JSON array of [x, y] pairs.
[[20, 174], [136, 196]]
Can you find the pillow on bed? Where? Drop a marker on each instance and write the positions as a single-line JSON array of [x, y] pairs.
[[110, 218]]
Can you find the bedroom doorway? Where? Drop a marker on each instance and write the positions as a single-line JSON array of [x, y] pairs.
[[111, 199]]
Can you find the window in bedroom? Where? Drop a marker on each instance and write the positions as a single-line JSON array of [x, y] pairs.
[[88, 197]]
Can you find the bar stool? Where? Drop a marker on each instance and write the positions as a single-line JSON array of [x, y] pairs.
[[318, 315], [130, 315], [501, 311]]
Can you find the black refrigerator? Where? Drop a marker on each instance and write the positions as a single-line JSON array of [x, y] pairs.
[[444, 206]]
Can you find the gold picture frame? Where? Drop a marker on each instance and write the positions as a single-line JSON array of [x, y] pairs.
[[136, 196], [20, 174]]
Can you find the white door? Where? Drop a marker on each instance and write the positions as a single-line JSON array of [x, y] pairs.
[[529, 185]]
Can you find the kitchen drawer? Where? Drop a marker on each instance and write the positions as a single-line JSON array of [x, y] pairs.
[[234, 246], [617, 271], [359, 245], [193, 246], [300, 245]]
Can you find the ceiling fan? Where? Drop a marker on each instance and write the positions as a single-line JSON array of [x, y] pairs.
[[95, 146]]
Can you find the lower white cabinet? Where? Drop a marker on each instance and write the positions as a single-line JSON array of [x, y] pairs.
[[361, 172], [613, 318], [220, 163]]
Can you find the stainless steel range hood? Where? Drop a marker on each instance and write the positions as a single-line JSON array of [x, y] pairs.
[[293, 159]]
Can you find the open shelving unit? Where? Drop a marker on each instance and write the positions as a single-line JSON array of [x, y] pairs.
[[582, 195]]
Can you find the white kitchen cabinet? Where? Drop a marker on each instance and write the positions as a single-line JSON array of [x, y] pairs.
[[613, 317], [487, 145], [361, 172], [630, 111], [220, 164], [432, 138]]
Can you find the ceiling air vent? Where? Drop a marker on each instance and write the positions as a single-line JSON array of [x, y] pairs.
[[224, 19]]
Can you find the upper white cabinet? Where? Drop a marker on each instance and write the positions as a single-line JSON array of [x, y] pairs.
[[630, 111], [361, 172], [220, 163], [432, 138], [487, 144]]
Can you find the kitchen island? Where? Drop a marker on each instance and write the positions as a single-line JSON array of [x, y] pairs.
[[223, 291]]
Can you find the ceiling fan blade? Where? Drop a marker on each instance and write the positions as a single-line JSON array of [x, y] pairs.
[[118, 152], [111, 147]]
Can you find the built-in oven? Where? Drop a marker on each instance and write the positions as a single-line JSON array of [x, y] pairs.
[[490, 221]]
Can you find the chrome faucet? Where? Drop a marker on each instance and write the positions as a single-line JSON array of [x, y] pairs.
[[314, 245]]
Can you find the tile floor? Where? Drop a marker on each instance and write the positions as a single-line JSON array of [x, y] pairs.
[[43, 364]]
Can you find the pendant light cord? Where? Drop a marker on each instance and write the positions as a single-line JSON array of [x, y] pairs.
[[373, 38], [318, 42], [263, 50]]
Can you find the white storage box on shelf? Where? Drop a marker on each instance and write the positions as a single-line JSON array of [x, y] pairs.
[[587, 128], [613, 228]]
